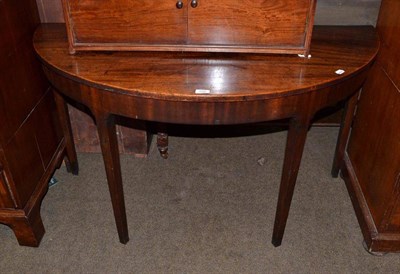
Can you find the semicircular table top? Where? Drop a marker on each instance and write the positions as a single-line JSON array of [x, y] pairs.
[[227, 76], [210, 88]]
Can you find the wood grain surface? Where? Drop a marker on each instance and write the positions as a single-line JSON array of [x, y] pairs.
[[229, 77], [31, 144], [126, 21], [329, 12], [372, 169], [279, 23], [211, 89], [283, 26]]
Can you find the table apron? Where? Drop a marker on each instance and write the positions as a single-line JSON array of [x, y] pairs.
[[206, 112]]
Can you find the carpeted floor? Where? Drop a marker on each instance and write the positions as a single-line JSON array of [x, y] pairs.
[[209, 208]]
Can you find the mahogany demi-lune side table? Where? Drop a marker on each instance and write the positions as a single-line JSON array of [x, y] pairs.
[[210, 89]]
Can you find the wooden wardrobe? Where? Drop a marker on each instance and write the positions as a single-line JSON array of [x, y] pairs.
[[372, 162], [31, 140]]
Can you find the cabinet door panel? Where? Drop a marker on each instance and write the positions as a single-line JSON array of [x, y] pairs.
[[32, 148], [374, 144], [126, 21], [24, 162], [21, 77], [48, 132], [268, 23]]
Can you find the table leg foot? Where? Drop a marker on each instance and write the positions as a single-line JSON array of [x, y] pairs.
[[162, 144], [294, 150], [72, 167], [29, 230], [109, 147], [276, 242]]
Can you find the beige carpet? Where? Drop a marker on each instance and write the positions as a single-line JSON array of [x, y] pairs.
[[209, 208]]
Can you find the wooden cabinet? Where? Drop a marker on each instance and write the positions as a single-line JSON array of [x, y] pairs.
[[31, 141], [249, 23], [137, 22], [372, 162], [272, 26]]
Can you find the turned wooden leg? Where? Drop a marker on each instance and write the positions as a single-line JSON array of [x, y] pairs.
[[71, 160], [162, 144], [294, 150], [162, 140], [344, 132], [29, 230], [109, 147]]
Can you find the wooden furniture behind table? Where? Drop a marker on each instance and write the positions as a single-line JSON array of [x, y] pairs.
[[372, 160], [31, 140], [211, 89], [132, 139], [272, 26], [283, 26]]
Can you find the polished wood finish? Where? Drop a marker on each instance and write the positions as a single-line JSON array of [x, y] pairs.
[[328, 12], [161, 87], [135, 142], [279, 26], [132, 138], [372, 161], [275, 24], [109, 146], [31, 142], [372, 168], [296, 139], [18, 66], [141, 22]]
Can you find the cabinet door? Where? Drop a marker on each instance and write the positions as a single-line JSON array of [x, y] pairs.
[[126, 21], [21, 77], [31, 150], [256, 23]]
